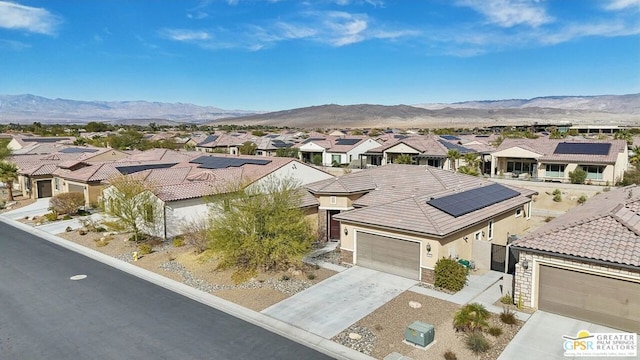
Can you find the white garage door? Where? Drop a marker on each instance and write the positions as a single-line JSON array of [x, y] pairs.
[[391, 255], [76, 188], [598, 299]]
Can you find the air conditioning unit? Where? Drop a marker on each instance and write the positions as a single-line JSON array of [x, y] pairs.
[[419, 334]]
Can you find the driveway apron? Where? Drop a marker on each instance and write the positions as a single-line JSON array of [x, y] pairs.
[[332, 305]]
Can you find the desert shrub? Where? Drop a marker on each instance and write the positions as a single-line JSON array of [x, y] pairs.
[[102, 243], [67, 217], [494, 331], [471, 317], [195, 234], [450, 275], [506, 299], [67, 203], [476, 342], [178, 241], [557, 198], [92, 225], [577, 176], [145, 249], [311, 276], [582, 199], [285, 277], [68, 229], [450, 355], [508, 317], [51, 216], [316, 160], [557, 192]]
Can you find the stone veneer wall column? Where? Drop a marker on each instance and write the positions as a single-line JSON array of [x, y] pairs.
[[523, 279], [322, 225], [346, 256], [427, 276]]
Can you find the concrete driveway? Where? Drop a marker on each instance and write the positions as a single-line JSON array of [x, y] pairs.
[[332, 305], [58, 227], [40, 207], [541, 337]]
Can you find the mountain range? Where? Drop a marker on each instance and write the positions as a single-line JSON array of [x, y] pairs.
[[597, 110]]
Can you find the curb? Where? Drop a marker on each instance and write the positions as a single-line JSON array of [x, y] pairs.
[[281, 328]]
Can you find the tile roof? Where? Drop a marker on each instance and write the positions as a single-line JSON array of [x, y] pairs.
[[396, 197], [605, 228], [546, 147], [424, 144], [162, 155]]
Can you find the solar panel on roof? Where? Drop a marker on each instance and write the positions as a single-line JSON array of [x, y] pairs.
[[74, 150], [471, 200], [130, 169], [214, 162], [398, 136], [449, 137], [347, 142], [279, 143], [461, 149], [209, 139], [582, 148]]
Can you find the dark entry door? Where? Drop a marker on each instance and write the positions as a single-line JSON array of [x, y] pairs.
[[44, 189], [498, 257], [334, 225]]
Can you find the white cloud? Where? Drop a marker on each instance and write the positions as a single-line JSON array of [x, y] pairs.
[[342, 28], [622, 4], [573, 31], [19, 17], [13, 45], [508, 13], [185, 34]]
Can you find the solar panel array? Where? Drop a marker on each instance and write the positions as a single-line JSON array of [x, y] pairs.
[[77, 150], [130, 169], [279, 143], [450, 137], [582, 148], [347, 142], [471, 200], [461, 149], [209, 139], [218, 162]]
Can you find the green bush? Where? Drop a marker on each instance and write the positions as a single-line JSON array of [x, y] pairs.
[[178, 241], [471, 317], [285, 277], [450, 275], [557, 192], [577, 176], [311, 276], [476, 342], [67, 203], [494, 331], [67, 217], [102, 243], [582, 199], [51, 216], [145, 249], [450, 355], [557, 198], [506, 299], [508, 317]]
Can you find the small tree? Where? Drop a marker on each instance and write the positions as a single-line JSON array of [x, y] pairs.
[[471, 317], [403, 159], [132, 202], [316, 160], [260, 228], [67, 203], [577, 176], [196, 234], [287, 152], [8, 175], [248, 148]]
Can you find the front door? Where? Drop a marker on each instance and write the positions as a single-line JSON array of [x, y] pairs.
[[334, 225], [498, 257], [44, 189]]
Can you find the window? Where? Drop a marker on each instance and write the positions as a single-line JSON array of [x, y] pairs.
[[555, 170], [336, 159], [518, 212], [529, 210], [433, 162], [333, 200], [594, 172], [490, 230], [520, 166], [56, 183], [148, 213], [478, 235]]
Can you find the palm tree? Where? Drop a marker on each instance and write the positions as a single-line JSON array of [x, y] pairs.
[[472, 160], [403, 159], [624, 135], [453, 155], [471, 317], [635, 159], [8, 174]]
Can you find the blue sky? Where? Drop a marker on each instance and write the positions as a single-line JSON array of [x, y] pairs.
[[283, 54]]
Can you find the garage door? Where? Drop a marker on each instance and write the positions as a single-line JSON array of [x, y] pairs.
[[387, 254], [76, 188], [598, 299]]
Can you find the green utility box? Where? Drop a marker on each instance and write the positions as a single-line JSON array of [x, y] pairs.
[[419, 333]]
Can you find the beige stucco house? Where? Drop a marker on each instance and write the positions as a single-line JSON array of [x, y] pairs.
[[402, 218], [586, 264]]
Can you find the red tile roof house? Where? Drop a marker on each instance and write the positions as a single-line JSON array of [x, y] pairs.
[[605, 161], [424, 150], [335, 150], [183, 190], [585, 264], [402, 218], [220, 143]]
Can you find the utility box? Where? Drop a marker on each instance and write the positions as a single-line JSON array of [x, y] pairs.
[[419, 333]]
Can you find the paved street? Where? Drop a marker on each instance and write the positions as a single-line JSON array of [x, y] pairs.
[[111, 314]]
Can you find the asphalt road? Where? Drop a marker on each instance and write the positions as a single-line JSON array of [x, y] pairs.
[[111, 314]]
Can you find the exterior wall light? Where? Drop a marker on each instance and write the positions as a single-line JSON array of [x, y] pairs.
[[525, 264], [428, 247], [346, 231]]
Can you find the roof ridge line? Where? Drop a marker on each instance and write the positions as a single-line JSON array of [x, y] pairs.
[[617, 218], [435, 226]]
